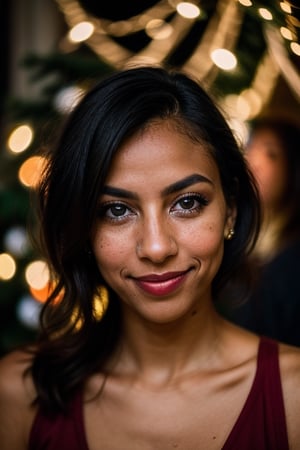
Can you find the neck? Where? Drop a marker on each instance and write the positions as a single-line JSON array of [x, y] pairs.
[[158, 353]]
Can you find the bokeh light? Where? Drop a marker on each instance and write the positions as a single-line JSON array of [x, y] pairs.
[[67, 99], [7, 266], [20, 139], [158, 29], [41, 294], [286, 7], [245, 2], [295, 47], [286, 33], [188, 10], [31, 170], [81, 32], [16, 241], [28, 312], [37, 274], [224, 59], [265, 13]]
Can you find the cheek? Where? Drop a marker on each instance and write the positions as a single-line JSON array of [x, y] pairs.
[[206, 240], [208, 250], [110, 249]]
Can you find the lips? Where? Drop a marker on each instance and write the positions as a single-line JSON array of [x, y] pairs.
[[161, 284]]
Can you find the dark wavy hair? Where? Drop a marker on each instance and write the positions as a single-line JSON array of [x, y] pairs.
[[67, 353]]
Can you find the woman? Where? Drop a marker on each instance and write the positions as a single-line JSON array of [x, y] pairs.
[[274, 157], [148, 198]]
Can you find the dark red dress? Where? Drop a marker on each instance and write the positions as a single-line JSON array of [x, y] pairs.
[[261, 424]]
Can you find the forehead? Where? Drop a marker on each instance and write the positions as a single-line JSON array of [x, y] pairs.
[[162, 148]]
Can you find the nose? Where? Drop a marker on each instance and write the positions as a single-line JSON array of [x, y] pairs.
[[156, 241]]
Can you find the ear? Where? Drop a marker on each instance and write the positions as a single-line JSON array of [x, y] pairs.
[[230, 222]]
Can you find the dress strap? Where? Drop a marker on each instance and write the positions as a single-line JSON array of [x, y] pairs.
[[270, 381], [262, 423], [61, 430]]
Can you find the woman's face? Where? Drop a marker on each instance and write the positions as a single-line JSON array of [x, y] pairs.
[[158, 239], [267, 162]]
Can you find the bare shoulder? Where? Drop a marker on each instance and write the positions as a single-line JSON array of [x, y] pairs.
[[16, 397], [12, 368], [289, 358]]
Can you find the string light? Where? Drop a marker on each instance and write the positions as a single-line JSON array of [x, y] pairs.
[[67, 98], [224, 59], [245, 2], [285, 7], [81, 32], [265, 13], [280, 56], [16, 241], [7, 266], [188, 10], [293, 21], [28, 312], [264, 81], [295, 47], [20, 139], [42, 294], [37, 274], [157, 51], [221, 31], [286, 33], [237, 106], [240, 130], [31, 170], [254, 102], [158, 29]]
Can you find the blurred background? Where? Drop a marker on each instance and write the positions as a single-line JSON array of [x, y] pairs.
[[246, 53]]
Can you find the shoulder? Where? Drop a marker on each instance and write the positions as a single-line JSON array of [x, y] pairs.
[[13, 379], [16, 396], [289, 360]]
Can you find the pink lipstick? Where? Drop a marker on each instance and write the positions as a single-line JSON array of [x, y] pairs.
[[161, 284]]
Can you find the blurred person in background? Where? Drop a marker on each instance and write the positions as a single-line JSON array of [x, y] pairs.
[[273, 309]]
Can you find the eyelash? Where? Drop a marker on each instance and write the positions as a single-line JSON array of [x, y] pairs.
[[195, 197], [104, 210]]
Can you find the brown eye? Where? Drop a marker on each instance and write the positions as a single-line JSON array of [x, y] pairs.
[[188, 203], [117, 210], [114, 211]]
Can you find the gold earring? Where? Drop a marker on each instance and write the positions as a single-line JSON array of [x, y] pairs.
[[230, 234]]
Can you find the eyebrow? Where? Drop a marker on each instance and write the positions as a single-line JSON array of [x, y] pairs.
[[186, 182], [173, 188]]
